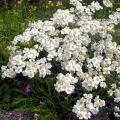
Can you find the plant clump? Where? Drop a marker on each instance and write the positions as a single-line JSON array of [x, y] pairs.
[[84, 48]]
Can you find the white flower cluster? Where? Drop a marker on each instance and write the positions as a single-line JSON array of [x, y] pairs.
[[87, 106], [90, 83], [25, 62], [65, 83], [107, 3], [81, 44], [115, 92], [117, 111], [63, 17]]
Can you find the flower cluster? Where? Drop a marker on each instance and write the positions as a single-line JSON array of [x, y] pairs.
[[107, 3], [65, 83], [90, 83], [63, 17], [25, 62], [115, 92], [82, 45], [85, 107]]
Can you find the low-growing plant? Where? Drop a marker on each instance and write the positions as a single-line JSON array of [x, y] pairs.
[[70, 57]]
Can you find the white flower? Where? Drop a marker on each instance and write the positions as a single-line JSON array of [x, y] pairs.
[[51, 55], [94, 82], [117, 109], [65, 83], [95, 6], [44, 69], [72, 66], [117, 115], [118, 69], [103, 85], [84, 107], [29, 53], [110, 92], [63, 17], [107, 3]]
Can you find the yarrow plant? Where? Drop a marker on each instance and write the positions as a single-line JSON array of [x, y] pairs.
[[83, 47]]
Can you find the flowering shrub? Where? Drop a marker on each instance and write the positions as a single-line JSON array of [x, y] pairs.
[[80, 45]]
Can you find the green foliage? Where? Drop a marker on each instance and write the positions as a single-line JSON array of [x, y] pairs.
[[42, 90], [6, 91]]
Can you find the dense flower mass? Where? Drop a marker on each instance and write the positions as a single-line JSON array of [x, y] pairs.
[[65, 83], [85, 107], [81, 44]]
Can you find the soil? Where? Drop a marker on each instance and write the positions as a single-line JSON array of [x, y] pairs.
[[28, 115]]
